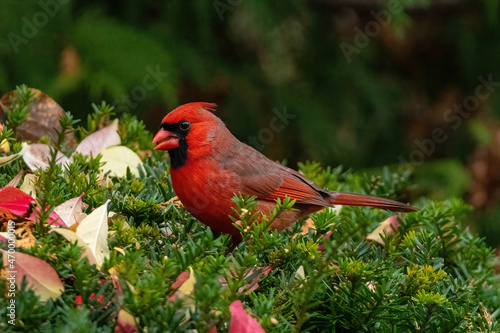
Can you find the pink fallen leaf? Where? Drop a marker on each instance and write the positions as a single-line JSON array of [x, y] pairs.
[[38, 156], [15, 201], [40, 276], [99, 140], [125, 323], [18, 207], [322, 246], [389, 226], [241, 322]]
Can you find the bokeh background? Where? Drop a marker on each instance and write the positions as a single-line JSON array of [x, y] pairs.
[[365, 83]]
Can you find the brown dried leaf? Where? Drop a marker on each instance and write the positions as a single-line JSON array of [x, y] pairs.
[[175, 200], [43, 118]]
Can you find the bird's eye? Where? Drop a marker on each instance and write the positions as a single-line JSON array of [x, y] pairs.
[[184, 125]]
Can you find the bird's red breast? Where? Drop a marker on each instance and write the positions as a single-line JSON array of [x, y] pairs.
[[209, 166]]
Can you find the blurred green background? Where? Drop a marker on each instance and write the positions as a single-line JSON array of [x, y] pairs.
[[364, 83]]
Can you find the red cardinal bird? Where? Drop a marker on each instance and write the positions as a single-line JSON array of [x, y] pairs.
[[209, 166]]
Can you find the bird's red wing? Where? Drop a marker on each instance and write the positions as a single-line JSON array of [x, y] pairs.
[[297, 190], [280, 185], [267, 180]]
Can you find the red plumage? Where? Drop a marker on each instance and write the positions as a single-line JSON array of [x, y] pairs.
[[210, 166]]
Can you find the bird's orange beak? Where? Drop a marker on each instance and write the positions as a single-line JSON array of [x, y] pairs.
[[166, 140]]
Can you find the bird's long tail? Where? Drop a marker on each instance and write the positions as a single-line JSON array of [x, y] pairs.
[[338, 198]]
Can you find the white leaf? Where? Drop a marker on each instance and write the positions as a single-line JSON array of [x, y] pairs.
[[93, 230], [117, 160], [97, 141], [70, 210], [37, 156]]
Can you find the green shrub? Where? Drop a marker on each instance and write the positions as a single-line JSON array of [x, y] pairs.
[[431, 275]]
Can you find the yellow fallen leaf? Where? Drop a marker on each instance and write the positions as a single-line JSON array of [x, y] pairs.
[[28, 185], [186, 289], [118, 158], [125, 322], [5, 146], [117, 249]]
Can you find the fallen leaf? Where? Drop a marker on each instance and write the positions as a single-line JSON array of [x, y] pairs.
[[43, 118], [241, 322], [188, 281], [116, 284], [99, 140], [125, 323], [308, 225], [120, 250], [72, 237], [38, 156], [28, 185], [10, 158], [252, 277], [389, 226], [117, 160], [175, 200], [9, 193], [4, 145], [71, 211], [299, 274], [41, 277], [17, 178], [322, 246], [19, 207], [25, 238], [183, 277], [93, 230]]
